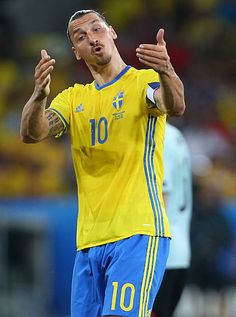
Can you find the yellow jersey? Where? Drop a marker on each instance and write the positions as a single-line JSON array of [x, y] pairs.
[[117, 143]]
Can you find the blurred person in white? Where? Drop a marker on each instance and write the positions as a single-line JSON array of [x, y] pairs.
[[177, 191]]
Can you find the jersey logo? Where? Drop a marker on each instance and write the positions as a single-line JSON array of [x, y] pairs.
[[118, 100], [117, 103], [79, 108]]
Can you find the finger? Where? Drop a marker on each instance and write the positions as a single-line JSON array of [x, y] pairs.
[[146, 63], [160, 38], [47, 72], [152, 47], [44, 65], [40, 77], [44, 53], [153, 60], [41, 62], [157, 67], [45, 82], [152, 53]]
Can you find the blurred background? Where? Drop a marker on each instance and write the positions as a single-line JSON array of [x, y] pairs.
[[38, 203]]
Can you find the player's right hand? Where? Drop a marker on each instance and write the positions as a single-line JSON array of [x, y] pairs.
[[42, 75]]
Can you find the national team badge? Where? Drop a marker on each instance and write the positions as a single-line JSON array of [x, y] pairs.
[[117, 103], [118, 100]]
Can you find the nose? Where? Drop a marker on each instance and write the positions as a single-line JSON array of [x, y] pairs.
[[92, 39]]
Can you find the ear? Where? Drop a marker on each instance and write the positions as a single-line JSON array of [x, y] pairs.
[[78, 57], [113, 33]]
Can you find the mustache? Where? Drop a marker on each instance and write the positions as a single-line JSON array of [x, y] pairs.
[[96, 46]]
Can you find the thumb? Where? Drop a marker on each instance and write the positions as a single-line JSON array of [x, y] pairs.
[[160, 37], [44, 53]]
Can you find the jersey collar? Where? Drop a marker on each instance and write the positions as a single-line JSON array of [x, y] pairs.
[[114, 80]]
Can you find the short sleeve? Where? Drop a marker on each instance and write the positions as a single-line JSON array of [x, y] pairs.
[[150, 81], [61, 106], [151, 88]]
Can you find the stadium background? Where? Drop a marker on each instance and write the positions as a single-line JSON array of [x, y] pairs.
[[37, 186]]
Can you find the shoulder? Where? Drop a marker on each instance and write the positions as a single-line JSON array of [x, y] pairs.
[[89, 86], [82, 88], [75, 89], [147, 73], [144, 74]]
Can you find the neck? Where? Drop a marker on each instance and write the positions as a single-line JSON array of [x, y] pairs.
[[103, 74]]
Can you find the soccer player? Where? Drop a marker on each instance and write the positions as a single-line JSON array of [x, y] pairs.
[[177, 190], [116, 126]]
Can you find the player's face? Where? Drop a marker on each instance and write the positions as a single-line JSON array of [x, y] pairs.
[[93, 39]]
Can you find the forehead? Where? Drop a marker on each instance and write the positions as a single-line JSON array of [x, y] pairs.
[[84, 21]]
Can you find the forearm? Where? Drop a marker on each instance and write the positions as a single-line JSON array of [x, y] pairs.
[[34, 126], [173, 93], [170, 97]]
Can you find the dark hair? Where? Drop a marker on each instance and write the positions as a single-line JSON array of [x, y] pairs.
[[79, 14]]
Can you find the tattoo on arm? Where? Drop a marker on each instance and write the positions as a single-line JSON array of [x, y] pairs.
[[54, 123]]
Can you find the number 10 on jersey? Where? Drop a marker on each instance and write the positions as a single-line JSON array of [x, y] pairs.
[[99, 131]]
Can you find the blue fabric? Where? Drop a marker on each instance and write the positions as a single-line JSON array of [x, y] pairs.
[[110, 279]]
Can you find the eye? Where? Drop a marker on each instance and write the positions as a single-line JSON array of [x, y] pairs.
[[81, 37], [97, 28]]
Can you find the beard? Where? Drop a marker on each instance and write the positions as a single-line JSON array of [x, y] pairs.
[[104, 60]]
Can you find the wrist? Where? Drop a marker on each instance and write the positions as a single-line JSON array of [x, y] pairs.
[[38, 96], [168, 71]]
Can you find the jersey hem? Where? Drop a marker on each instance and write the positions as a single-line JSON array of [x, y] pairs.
[[96, 244]]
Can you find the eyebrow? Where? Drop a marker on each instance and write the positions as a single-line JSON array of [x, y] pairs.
[[81, 30]]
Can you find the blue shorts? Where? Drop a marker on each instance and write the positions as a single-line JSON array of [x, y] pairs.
[[120, 278]]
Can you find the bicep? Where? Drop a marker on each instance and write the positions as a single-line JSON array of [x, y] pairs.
[[54, 124], [155, 98], [159, 100]]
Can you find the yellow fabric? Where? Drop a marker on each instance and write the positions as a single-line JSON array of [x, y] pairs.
[[117, 153]]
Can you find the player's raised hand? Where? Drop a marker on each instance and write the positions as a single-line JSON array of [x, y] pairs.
[[42, 75], [155, 55]]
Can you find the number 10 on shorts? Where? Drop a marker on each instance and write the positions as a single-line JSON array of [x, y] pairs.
[[125, 290]]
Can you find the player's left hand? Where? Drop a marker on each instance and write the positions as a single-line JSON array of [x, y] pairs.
[[155, 56]]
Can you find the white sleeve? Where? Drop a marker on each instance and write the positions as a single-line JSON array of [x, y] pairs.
[[152, 87]]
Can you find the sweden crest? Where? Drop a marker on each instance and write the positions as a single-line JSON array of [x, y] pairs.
[[118, 100]]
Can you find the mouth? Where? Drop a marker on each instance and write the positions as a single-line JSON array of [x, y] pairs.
[[97, 50]]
